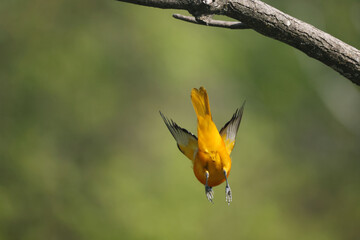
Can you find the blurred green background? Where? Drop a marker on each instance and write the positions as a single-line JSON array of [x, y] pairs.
[[84, 153]]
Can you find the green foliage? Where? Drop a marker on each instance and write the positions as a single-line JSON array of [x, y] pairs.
[[84, 153]]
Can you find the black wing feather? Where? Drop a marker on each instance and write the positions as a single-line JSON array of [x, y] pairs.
[[231, 127]]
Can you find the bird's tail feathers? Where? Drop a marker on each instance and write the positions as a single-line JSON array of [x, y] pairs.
[[200, 101]]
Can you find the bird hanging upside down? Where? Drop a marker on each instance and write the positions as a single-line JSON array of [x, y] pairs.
[[210, 151]]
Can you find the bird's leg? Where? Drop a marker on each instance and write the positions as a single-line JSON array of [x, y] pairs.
[[228, 195], [208, 190]]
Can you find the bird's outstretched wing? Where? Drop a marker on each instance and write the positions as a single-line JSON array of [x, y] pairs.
[[186, 141], [229, 131]]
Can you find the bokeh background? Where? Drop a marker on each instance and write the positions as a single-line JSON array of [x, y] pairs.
[[84, 153]]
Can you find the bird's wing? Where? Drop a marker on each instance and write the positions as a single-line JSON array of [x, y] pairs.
[[186, 141], [229, 131]]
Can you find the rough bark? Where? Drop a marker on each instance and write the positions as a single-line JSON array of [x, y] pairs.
[[273, 23]]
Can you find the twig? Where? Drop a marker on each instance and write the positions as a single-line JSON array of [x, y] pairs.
[[212, 22]]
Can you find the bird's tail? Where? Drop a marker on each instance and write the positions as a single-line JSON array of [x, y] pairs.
[[200, 101]]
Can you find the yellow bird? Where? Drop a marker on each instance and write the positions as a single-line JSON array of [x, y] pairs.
[[210, 151]]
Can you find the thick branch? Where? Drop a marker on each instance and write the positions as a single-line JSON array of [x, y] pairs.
[[273, 23]]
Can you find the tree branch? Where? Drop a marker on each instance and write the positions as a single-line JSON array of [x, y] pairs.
[[272, 23]]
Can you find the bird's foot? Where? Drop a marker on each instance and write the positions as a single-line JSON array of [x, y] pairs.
[[228, 195], [209, 193]]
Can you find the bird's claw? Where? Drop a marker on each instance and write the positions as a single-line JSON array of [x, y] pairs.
[[228, 195], [209, 193]]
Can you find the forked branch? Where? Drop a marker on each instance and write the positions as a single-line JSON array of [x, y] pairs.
[[270, 22]]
